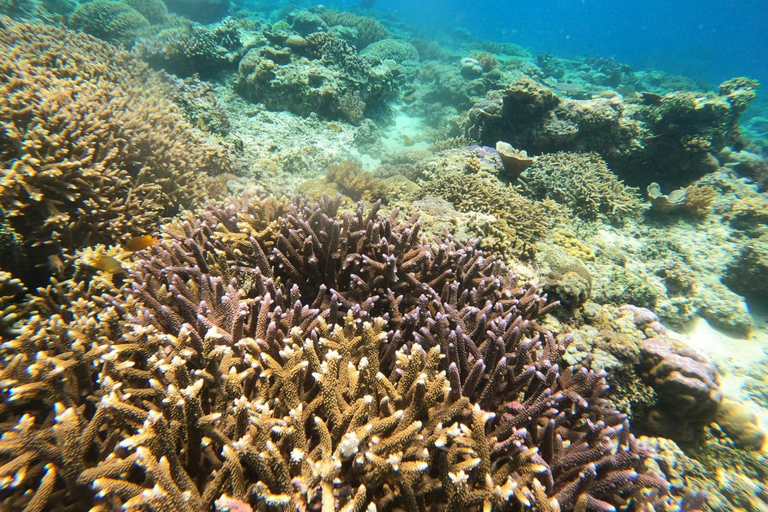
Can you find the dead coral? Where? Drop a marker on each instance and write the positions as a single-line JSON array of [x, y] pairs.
[[92, 151], [583, 183], [699, 199], [363, 368]]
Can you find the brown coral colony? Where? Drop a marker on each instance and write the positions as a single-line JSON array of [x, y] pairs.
[[351, 366]]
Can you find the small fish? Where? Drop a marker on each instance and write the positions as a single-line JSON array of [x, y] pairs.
[[140, 242], [108, 264], [409, 96], [55, 264]]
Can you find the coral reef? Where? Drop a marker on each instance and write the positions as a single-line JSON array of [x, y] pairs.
[[583, 183], [335, 83], [671, 139], [202, 11], [79, 167], [193, 49], [355, 367]]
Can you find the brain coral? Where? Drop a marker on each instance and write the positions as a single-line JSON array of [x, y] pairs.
[[288, 357], [92, 150]]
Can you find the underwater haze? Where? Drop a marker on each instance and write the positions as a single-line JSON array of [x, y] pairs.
[[705, 40]]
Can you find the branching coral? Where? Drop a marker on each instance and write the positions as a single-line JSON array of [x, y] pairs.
[[583, 182], [355, 182], [519, 220], [344, 364], [92, 150]]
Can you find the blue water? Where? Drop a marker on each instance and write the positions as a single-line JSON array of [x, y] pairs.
[[705, 40]]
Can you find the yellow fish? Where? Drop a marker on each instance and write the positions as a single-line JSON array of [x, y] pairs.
[[140, 242], [108, 264]]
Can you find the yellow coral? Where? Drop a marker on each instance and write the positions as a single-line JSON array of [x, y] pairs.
[[572, 245]]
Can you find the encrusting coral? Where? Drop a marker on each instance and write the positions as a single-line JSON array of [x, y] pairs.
[[337, 362], [92, 150]]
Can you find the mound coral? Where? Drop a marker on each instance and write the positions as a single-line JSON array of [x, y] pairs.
[[337, 362], [369, 30], [688, 388], [116, 22], [92, 150]]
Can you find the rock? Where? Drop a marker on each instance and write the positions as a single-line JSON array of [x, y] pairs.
[[740, 424], [687, 385]]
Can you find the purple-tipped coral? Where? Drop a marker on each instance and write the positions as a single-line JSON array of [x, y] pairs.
[[289, 357]]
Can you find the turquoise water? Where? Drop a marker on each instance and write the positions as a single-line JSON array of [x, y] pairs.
[[706, 40]]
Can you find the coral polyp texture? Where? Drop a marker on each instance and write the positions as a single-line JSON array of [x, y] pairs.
[[92, 149], [286, 356]]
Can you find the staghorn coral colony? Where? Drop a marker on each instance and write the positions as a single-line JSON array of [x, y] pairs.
[[278, 259]]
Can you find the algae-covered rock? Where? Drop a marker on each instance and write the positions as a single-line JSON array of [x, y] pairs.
[[670, 140], [741, 425], [565, 277], [724, 309], [747, 274]]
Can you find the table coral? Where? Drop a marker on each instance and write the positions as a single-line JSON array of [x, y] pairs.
[[345, 364]]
